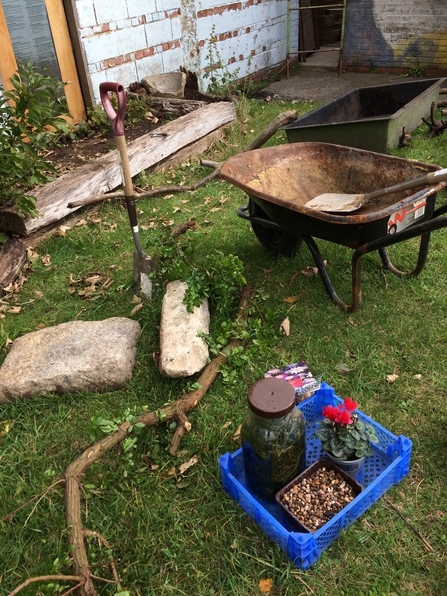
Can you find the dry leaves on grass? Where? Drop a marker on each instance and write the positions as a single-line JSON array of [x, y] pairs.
[[91, 286], [191, 462], [237, 433], [265, 585], [284, 328], [135, 309], [391, 378], [311, 271]]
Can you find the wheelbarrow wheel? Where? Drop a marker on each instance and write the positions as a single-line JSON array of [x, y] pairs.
[[277, 242]]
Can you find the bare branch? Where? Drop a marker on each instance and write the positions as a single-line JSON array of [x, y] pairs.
[[45, 578]]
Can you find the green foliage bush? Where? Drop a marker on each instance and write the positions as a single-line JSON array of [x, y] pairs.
[[31, 121]]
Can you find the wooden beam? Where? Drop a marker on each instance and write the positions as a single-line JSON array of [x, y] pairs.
[[65, 58], [8, 64], [103, 174]]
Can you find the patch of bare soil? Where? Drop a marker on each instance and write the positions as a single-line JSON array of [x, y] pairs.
[[74, 153]]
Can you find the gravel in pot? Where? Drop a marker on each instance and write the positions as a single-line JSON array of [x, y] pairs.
[[317, 494]]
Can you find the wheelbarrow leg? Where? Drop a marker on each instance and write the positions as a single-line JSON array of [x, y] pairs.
[[422, 259], [323, 272], [423, 230], [429, 225]]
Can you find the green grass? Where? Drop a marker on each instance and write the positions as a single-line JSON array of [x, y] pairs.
[[183, 535]]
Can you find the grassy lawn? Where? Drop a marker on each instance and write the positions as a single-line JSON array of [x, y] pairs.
[[182, 534]]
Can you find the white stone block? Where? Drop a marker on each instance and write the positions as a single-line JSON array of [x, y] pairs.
[[168, 5], [86, 13], [172, 59], [158, 32], [149, 65], [182, 351], [110, 11], [138, 8]]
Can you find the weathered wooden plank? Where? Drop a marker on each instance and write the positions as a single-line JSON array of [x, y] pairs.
[[103, 174], [12, 259]]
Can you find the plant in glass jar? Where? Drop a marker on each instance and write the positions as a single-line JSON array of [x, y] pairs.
[[343, 434]]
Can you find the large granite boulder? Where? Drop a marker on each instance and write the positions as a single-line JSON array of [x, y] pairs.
[[69, 358]]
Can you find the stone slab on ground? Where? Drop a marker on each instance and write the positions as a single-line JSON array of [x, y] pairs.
[[168, 84], [72, 357], [182, 351]]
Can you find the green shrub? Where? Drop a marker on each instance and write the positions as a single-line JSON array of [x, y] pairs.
[[31, 120]]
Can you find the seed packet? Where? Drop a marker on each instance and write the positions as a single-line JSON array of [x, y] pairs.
[[298, 375]]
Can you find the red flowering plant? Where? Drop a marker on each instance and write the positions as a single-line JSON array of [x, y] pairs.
[[343, 434]]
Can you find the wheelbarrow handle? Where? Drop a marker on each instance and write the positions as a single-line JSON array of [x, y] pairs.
[[116, 118]]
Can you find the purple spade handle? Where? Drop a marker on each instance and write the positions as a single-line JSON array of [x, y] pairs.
[[116, 118]]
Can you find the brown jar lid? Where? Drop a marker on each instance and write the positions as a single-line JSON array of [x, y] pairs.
[[271, 398]]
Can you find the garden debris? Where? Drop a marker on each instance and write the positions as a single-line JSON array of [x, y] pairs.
[[436, 127], [391, 378], [91, 286], [284, 328], [102, 175]]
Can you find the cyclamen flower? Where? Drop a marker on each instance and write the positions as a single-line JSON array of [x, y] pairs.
[[340, 415], [343, 417], [330, 412], [350, 404]]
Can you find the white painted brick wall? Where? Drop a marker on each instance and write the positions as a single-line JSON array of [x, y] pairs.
[[125, 40], [115, 43], [167, 5], [86, 13], [110, 10], [149, 65], [139, 7], [158, 32]]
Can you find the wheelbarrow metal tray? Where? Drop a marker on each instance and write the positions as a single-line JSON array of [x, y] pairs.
[[281, 179], [369, 117], [389, 463]]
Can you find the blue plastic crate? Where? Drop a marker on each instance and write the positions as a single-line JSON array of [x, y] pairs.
[[386, 467]]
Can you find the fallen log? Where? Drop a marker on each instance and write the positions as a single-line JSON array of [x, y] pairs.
[[103, 174], [162, 106], [12, 259], [269, 131]]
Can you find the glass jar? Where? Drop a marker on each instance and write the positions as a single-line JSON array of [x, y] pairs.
[[273, 437]]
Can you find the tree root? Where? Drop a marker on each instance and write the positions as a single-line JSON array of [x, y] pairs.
[[436, 127], [174, 411]]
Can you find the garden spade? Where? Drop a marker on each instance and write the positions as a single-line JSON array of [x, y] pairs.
[[344, 203], [143, 265]]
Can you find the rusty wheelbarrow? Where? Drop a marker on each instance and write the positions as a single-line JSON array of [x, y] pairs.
[[280, 180]]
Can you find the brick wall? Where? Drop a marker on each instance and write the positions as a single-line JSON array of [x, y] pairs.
[[126, 40], [385, 34]]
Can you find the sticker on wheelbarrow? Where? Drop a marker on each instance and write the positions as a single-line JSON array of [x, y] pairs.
[[406, 216]]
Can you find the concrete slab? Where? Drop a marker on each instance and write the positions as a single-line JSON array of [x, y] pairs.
[[169, 84]]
